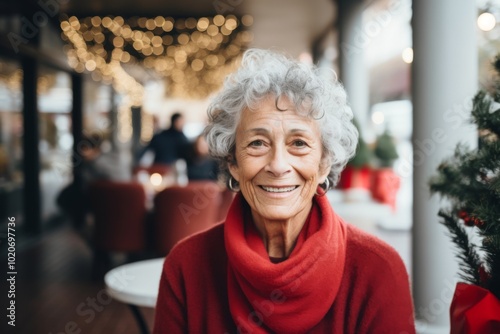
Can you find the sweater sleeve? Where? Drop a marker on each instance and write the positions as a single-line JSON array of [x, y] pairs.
[[388, 303], [170, 314]]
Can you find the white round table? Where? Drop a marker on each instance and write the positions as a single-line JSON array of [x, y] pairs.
[[136, 284]]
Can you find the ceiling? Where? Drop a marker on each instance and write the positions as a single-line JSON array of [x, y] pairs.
[[124, 8], [150, 8], [289, 25]]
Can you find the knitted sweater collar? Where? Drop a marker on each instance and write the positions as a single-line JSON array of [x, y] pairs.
[[291, 296]]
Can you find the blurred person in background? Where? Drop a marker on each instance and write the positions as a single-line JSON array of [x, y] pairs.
[[168, 145], [100, 164], [200, 165], [95, 164], [283, 261]]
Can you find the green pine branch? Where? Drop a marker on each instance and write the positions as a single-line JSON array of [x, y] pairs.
[[488, 213], [483, 115], [459, 177], [492, 260], [470, 176], [466, 252], [496, 66]]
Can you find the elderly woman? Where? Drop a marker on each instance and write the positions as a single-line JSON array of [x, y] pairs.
[[282, 261]]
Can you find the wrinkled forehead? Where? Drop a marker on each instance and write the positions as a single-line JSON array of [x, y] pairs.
[[268, 116]]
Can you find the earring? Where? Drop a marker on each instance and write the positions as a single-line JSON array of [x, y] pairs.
[[233, 187], [325, 186]]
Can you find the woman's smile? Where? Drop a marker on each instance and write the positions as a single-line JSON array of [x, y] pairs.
[[277, 192], [282, 189]]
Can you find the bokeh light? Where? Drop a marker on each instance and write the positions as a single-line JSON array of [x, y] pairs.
[[486, 21]]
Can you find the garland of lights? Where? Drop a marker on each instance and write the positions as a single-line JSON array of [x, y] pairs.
[[192, 55]]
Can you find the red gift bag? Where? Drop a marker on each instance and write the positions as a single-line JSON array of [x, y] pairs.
[[352, 177], [385, 186], [474, 310]]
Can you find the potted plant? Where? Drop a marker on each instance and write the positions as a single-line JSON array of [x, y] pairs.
[[356, 177], [385, 182]]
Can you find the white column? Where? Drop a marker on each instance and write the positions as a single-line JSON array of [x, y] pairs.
[[444, 82], [353, 71]]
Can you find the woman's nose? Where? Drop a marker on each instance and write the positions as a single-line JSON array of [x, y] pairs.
[[278, 163]]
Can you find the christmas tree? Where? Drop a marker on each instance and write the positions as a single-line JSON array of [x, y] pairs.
[[363, 155], [470, 180], [385, 150]]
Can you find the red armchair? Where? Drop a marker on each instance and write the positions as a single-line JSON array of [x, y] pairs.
[[182, 211], [119, 210]]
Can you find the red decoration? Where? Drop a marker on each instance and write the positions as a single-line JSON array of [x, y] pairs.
[[468, 221], [474, 310], [352, 177], [462, 214], [385, 186], [478, 222]]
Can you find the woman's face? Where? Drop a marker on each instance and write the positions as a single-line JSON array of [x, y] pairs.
[[278, 160]]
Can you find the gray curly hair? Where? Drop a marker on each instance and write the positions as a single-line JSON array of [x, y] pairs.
[[265, 73]]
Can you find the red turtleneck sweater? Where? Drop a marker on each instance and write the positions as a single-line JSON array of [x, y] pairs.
[[373, 295]]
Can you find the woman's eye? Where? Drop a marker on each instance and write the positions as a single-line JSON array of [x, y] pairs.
[[257, 143], [299, 143]]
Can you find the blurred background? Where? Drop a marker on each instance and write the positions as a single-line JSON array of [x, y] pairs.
[[116, 71]]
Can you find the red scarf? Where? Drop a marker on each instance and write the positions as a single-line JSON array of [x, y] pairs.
[[291, 296]]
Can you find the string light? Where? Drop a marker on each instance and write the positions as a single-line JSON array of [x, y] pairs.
[[12, 79], [124, 122], [147, 130], [193, 55], [486, 21], [407, 55]]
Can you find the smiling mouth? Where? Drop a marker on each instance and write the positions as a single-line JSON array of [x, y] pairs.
[[279, 189]]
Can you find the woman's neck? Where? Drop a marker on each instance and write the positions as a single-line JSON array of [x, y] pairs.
[[280, 236]]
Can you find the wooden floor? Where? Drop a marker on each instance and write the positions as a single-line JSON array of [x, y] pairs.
[[55, 291]]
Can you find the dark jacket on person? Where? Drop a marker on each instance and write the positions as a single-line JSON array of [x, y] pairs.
[[167, 145]]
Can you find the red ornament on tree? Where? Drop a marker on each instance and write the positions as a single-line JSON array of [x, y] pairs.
[[462, 214], [469, 221], [478, 222]]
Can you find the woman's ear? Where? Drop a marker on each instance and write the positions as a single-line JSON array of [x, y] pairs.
[[233, 168], [324, 170]]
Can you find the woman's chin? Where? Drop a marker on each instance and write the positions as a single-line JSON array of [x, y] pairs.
[[276, 212], [278, 205]]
